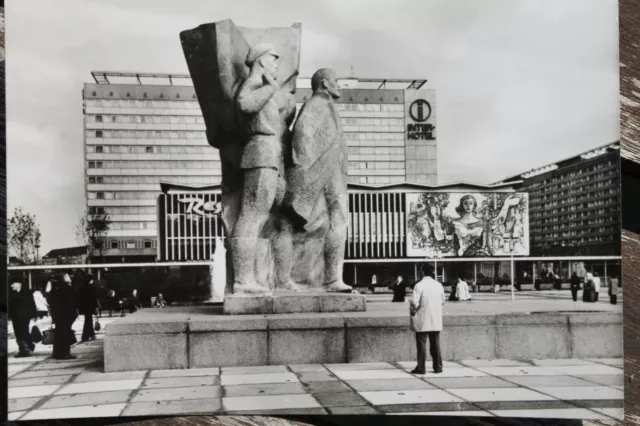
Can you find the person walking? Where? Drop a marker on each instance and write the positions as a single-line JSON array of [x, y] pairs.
[[22, 309], [134, 302], [575, 286], [399, 290], [462, 291], [426, 321], [62, 302], [87, 306], [374, 282], [614, 291], [42, 306], [596, 281], [588, 292]]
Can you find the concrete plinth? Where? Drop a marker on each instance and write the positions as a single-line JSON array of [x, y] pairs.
[[293, 302], [200, 337]]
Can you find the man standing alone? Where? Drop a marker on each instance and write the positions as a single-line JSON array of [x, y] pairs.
[[88, 306], [426, 321]]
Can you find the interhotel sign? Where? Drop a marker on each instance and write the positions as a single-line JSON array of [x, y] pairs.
[[420, 111]]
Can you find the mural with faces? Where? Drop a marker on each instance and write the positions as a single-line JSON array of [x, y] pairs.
[[464, 224]]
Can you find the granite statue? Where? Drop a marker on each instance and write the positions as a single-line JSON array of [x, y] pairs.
[[317, 178]]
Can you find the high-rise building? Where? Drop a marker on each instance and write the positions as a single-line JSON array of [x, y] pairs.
[[575, 204], [141, 129]]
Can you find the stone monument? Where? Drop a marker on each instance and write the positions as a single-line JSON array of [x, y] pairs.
[[284, 198]]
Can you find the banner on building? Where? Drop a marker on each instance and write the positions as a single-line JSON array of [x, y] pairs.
[[467, 224]]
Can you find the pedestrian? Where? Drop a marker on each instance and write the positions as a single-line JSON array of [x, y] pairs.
[[42, 306], [575, 286], [426, 321], [596, 281], [462, 291], [589, 292], [613, 291], [374, 281], [134, 302], [160, 303], [87, 306], [22, 309], [112, 302], [62, 303], [399, 290]]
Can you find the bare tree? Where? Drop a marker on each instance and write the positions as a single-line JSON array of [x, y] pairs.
[[24, 235], [92, 230]]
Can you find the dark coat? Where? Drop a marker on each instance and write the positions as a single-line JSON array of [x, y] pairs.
[[575, 282], [87, 299], [399, 292], [62, 303], [21, 305]]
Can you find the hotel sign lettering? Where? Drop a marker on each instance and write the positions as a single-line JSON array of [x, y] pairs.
[[420, 111]]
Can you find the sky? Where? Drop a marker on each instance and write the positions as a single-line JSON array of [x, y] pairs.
[[519, 83]]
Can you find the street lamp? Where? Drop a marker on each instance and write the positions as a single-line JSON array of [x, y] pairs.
[[37, 253]]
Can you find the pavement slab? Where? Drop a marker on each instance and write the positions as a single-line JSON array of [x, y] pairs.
[[316, 376], [308, 368], [541, 381], [22, 404], [344, 399], [185, 373], [499, 394], [259, 404], [256, 378], [172, 382], [92, 398], [388, 384], [110, 385], [357, 410], [39, 381], [266, 389], [166, 408], [557, 413], [409, 397], [176, 394], [111, 410], [494, 363], [469, 382]]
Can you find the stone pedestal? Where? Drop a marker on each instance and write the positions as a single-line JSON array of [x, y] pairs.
[[293, 302]]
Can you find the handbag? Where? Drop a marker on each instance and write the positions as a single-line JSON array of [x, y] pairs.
[[36, 335], [97, 326], [48, 336]]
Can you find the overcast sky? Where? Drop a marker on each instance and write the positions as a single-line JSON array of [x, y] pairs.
[[520, 83]]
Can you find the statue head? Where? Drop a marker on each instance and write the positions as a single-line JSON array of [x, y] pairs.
[[262, 55], [325, 81]]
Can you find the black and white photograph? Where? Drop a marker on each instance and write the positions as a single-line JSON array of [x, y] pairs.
[[287, 207]]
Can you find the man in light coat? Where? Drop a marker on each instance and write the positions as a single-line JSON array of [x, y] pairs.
[[462, 290], [596, 281], [426, 321]]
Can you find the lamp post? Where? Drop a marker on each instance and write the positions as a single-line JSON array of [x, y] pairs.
[[37, 253]]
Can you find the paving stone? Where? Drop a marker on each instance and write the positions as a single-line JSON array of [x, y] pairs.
[[562, 413], [388, 384], [524, 405], [266, 369], [112, 410], [360, 366], [259, 404], [265, 389], [570, 393], [52, 365], [519, 371], [494, 363], [52, 380], [111, 385], [535, 381], [29, 360], [48, 373], [32, 391], [15, 415], [13, 370], [453, 372], [372, 374], [446, 414], [251, 379], [91, 398], [561, 362], [583, 370], [469, 382], [161, 408], [408, 397], [181, 382], [349, 399], [316, 376], [499, 394], [22, 404], [439, 407], [174, 394], [307, 368], [280, 412], [327, 386], [410, 365], [605, 379], [85, 376], [184, 372], [616, 413], [357, 410]]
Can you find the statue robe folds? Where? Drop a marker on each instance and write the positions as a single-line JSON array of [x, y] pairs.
[[215, 54], [317, 178]]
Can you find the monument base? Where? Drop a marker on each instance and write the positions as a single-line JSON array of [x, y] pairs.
[[202, 337], [288, 302]]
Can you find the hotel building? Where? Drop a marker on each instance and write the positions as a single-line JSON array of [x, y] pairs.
[[143, 129]]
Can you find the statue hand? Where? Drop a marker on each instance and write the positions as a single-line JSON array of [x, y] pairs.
[[270, 79]]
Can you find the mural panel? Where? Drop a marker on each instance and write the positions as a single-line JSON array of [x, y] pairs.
[[464, 224]]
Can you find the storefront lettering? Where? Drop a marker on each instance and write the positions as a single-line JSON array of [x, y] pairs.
[[198, 206]]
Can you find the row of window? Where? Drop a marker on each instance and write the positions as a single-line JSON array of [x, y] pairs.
[[132, 244], [190, 104], [375, 150], [376, 165], [374, 136], [132, 226], [118, 180], [576, 173], [141, 149], [123, 210], [123, 195], [146, 119], [157, 164], [147, 134], [573, 241]]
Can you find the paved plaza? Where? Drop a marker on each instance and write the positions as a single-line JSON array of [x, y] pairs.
[[40, 387]]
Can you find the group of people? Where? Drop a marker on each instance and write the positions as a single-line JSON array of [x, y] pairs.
[[59, 300], [590, 284]]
